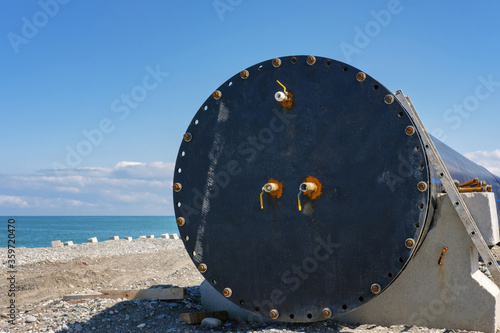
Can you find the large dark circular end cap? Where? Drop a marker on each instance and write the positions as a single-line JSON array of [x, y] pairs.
[[336, 128]]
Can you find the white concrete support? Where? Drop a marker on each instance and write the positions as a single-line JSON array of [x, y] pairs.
[[68, 243], [150, 236], [166, 236], [92, 240], [174, 236], [114, 238], [57, 243], [128, 238], [454, 295]]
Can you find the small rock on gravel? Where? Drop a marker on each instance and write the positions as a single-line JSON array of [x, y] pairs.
[[141, 325], [30, 319], [212, 322]]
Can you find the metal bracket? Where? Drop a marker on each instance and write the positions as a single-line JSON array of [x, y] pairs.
[[453, 192]]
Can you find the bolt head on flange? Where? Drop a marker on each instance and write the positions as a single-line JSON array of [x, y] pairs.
[[180, 221], [227, 292], [375, 288], [410, 243], [187, 136], [326, 313], [244, 74], [274, 314], [202, 268]]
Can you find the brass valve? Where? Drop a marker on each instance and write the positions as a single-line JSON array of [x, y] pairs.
[[274, 188], [310, 188]]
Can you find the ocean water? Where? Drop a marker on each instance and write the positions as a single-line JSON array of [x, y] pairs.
[[40, 231]]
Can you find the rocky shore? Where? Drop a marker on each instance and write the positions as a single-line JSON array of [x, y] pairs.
[[44, 275]]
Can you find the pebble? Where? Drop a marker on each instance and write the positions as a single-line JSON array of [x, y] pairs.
[[141, 325], [30, 319], [212, 322], [173, 305]]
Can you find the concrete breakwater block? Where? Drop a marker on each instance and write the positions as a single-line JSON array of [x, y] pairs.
[[68, 243], [127, 238], [114, 238], [166, 236], [142, 237], [150, 236], [174, 236], [92, 240], [57, 243]]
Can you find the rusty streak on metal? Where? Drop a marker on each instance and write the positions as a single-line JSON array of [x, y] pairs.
[[440, 261]]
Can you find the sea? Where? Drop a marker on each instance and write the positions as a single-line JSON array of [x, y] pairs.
[[40, 231]]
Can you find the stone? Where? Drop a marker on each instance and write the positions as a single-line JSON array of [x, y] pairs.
[[57, 243], [211, 322], [114, 238], [141, 325], [30, 319], [92, 240], [166, 236], [174, 236], [68, 243]]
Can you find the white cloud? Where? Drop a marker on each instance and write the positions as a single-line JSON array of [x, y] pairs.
[[10, 201], [488, 159], [68, 189], [128, 188]]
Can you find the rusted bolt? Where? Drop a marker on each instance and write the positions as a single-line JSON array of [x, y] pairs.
[[489, 188], [326, 313], [202, 268], [440, 261], [410, 130], [187, 137], [180, 221], [217, 94], [227, 292], [311, 60], [409, 243], [274, 314], [276, 62], [375, 288], [360, 76], [388, 99], [244, 74], [177, 187], [422, 186]]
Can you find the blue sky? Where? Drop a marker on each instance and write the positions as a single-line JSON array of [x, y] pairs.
[[119, 81]]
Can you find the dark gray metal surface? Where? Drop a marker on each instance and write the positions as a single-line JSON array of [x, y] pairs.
[[340, 131]]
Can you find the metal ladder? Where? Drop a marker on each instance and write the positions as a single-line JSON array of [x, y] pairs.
[[452, 190]]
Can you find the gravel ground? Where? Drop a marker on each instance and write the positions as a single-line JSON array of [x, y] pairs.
[[44, 275]]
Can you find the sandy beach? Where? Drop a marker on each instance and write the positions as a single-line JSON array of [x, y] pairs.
[[44, 275]]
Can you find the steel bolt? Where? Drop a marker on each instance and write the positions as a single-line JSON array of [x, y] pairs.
[[410, 130], [227, 292], [180, 221], [409, 243], [422, 186], [388, 99], [375, 288], [274, 314], [244, 74], [361, 77], [326, 313], [311, 60], [187, 137], [217, 94], [202, 268], [276, 62]]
